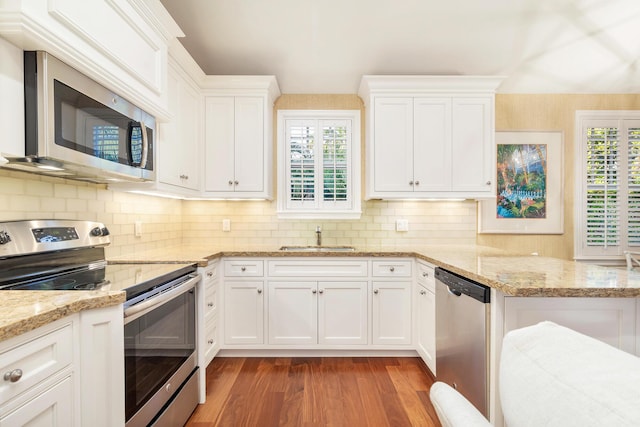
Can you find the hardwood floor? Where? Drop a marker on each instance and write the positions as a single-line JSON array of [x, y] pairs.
[[309, 392]]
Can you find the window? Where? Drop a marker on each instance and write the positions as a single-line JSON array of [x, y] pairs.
[[607, 184], [319, 164]]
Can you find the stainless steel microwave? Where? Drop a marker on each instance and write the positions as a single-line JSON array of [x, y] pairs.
[[76, 128]]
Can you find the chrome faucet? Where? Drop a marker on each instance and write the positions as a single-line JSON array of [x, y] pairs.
[[318, 236]]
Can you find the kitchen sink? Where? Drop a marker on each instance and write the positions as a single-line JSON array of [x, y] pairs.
[[318, 248]]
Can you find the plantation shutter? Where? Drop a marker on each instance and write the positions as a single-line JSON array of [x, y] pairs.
[[318, 156], [633, 186], [602, 187], [610, 188]]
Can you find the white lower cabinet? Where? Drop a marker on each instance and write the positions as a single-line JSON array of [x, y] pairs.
[[327, 313], [67, 373], [611, 320], [243, 312], [425, 306], [53, 407], [391, 313]]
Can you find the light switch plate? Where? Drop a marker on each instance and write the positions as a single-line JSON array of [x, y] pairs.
[[226, 225], [137, 228], [402, 225]]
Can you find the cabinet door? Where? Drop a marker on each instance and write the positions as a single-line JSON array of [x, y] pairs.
[[432, 144], [473, 151], [342, 312], [243, 312], [219, 143], [178, 152], [293, 313], [249, 149], [391, 313], [426, 323], [393, 145], [54, 407]]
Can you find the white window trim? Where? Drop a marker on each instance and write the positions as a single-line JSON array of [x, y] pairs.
[[355, 165], [579, 235]]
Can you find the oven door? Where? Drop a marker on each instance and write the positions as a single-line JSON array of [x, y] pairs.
[[160, 348]]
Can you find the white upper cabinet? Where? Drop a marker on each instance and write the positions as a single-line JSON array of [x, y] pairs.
[[238, 137], [179, 139], [11, 99], [122, 44], [429, 136]]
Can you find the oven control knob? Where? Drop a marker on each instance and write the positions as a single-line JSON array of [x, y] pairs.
[[96, 231], [4, 237]]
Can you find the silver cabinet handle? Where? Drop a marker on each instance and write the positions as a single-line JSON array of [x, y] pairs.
[[321, 291], [230, 182], [210, 341], [313, 291], [392, 269], [259, 290], [375, 291], [425, 274], [423, 292], [13, 376], [410, 182], [488, 182], [243, 269], [209, 273], [236, 182], [210, 304], [417, 182]]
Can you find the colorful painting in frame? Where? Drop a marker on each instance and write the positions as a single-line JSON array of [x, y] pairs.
[[529, 185]]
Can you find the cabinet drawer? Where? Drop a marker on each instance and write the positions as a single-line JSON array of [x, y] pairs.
[[391, 268], [210, 272], [243, 268], [37, 359], [425, 276], [211, 298], [320, 268]]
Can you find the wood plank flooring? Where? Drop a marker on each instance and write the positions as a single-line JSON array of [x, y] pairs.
[[310, 392]]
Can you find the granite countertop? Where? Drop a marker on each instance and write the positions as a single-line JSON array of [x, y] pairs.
[[513, 274], [23, 311]]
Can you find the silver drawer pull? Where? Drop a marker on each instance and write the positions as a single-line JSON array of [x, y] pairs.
[[375, 291], [425, 274], [423, 292], [210, 274], [210, 304], [392, 269], [259, 291], [13, 376], [243, 268], [210, 341]]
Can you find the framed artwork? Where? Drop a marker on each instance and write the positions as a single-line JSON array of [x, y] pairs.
[[529, 185]]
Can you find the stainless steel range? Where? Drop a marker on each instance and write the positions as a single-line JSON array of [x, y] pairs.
[[161, 372]]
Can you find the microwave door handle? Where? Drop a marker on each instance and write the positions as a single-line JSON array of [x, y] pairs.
[[145, 146]]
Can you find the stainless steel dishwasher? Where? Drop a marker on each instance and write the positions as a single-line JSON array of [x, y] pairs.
[[462, 319]]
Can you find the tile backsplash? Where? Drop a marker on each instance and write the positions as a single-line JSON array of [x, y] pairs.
[[169, 222]]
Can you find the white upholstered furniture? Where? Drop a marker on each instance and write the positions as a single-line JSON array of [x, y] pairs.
[[553, 376]]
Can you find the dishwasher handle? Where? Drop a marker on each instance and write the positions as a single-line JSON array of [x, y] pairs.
[[459, 285]]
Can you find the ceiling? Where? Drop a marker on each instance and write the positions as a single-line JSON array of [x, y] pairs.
[[325, 46]]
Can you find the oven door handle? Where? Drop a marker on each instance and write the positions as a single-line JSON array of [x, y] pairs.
[[163, 297]]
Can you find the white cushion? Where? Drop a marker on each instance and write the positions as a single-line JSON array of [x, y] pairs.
[[453, 409], [553, 376]]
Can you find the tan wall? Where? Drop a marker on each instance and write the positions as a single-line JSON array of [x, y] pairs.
[[553, 112]]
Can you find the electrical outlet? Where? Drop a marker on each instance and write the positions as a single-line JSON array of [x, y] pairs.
[[226, 225], [137, 228], [402, 225]]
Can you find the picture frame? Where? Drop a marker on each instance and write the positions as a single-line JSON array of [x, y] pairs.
[[529, 185]]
